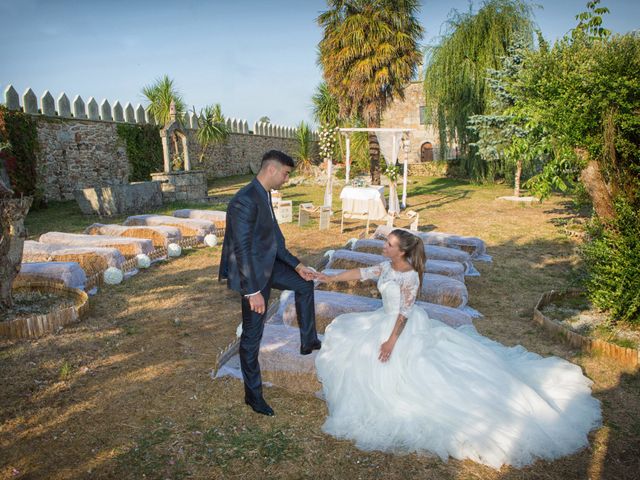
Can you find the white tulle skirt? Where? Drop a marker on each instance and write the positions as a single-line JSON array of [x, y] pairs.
[[451, 392]]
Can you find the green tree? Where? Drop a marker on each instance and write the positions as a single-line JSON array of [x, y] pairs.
[[455, 83], [303, 151], [212, 128], [160, 95], [326, 112], [369, 51], [509, 142], [264, 119]]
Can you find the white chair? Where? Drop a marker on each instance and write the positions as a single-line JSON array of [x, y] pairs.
[[282, 208], [305, 210]]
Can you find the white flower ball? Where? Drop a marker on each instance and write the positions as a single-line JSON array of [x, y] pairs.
[[174, 250], [113, 276], [143, 260], [210, 240]]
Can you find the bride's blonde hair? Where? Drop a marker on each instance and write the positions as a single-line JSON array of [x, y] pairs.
[[413, 248]]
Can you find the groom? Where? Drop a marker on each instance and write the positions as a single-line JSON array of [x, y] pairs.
[[254, 259]]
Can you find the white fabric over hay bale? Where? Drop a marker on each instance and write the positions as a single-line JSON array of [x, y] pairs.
[[189, 227], [436, 289], [169, 234], [280, 361], [473, 245], [432, 252], [350, 259], [68, 272], [216, 216], [127, 246], [42, 252], [329, 305]]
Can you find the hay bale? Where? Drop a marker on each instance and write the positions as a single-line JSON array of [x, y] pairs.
[[281, 362], [160, 236], [328, 305], [91, 263], [436, 289], [69, 273], [129, 247], [189, 227], [473, 245], [432, 252], [218, 217], [47, 252], [347, 259]]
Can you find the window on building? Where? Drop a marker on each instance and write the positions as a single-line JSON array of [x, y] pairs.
[[425, 116]]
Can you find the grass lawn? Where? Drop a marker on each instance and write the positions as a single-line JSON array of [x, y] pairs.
[[127, 394]]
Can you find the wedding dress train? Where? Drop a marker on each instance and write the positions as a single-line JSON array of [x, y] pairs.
[[447, 390]]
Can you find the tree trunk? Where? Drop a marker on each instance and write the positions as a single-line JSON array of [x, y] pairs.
[[516, 188], [597, 189], [374, 151], [12, 231]]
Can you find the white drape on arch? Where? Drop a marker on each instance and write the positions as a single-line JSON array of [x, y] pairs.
[[390, 148]]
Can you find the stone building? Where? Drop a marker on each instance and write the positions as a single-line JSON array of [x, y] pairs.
[[411, 113]]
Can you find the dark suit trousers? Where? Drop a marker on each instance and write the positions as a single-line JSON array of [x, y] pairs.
[[283, 278]]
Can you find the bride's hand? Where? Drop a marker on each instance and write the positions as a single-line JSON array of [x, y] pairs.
[[385, 350], [322, 277]]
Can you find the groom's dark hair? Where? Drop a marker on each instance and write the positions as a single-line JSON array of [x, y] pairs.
[[277, 156]]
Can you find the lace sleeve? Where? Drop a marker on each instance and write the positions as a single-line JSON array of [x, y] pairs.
[[408, 292], [371, 273]]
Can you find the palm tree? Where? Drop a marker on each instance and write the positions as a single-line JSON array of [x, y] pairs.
[[303, 153], [369, 51], [326, 110], [264, 119], [212, 128], [456, 71], [160, 94]]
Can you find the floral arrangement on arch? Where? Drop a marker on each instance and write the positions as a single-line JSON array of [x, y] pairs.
[[392, 171], [327, 141]]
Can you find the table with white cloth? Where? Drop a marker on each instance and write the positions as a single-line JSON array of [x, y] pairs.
[[364, 200]]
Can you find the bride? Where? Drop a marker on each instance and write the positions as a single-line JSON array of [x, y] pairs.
[[398, 381]]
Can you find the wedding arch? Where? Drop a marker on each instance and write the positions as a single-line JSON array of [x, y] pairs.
[[391, 141]]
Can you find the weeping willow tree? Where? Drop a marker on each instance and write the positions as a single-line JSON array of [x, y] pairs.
[[369, 51], [455, 81]]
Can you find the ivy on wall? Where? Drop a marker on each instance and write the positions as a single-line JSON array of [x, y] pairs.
[[20, 159], [144, 150]]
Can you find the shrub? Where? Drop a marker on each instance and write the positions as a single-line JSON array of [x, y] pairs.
[[20, 158], [612, 260], [144, 150]]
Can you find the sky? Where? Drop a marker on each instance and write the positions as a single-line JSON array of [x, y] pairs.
[[254, 57]]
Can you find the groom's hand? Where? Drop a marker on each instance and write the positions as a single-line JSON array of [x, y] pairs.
[[256, 302], [306, 272]]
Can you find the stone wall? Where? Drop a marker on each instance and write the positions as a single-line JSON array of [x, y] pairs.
[[80, 147], [77, 154], [234, 156]]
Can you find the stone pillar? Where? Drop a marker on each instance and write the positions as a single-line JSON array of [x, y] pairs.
[[165, 154], [185, 151]]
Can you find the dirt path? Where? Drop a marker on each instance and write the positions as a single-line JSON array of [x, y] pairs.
[[127, 392]]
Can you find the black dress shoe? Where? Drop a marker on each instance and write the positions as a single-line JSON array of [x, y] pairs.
[[261, 407], [308, 350]]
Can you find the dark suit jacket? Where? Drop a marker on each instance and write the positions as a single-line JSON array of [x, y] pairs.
[[252, 241]]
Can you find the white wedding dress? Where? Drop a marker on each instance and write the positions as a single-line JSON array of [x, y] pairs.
[[448, 391]]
